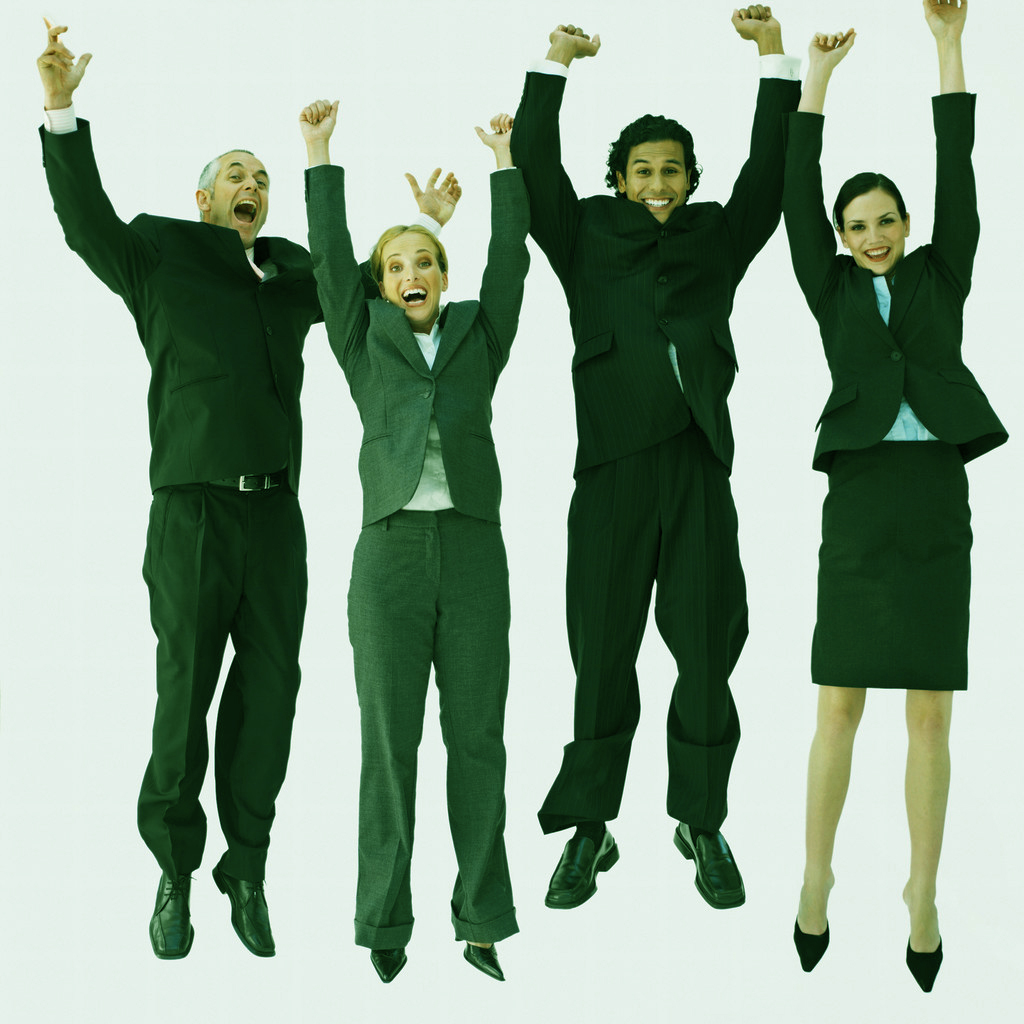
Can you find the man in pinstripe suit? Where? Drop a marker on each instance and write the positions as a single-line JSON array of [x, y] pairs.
[[650, 280]]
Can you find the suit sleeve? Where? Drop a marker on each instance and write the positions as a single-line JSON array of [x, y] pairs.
[[501, 287], [956, 227], [537, 152], [755, 206], [339, 279], [117, 254], [812, 240]]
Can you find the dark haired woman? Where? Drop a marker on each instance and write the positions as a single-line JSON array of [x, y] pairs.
[[904, 416], [429, 574]]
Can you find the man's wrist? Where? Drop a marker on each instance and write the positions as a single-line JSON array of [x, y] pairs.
[[318, 152], [562, 52], [56, 101], [770, 42]]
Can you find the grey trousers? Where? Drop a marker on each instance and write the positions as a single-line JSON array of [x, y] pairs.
[[431, 588]]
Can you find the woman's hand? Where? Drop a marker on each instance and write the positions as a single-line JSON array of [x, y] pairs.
[[825, 52], [500, 140], [437, 201], [317, 122], [946, 18]]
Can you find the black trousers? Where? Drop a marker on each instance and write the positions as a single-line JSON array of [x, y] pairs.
[[665, 515], [221, 563]]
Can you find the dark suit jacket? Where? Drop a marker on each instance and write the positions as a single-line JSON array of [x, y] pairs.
[[225, 349], [387, 374], [633, 284], [918, 354]]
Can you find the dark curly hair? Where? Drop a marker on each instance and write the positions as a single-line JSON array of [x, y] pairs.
[[650, 128]]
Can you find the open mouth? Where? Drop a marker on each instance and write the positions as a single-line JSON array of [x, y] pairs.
[[414, 297], [657, 204], [246, 211], [877, 255]]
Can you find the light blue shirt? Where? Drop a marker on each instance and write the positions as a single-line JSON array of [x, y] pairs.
[[907, 426]]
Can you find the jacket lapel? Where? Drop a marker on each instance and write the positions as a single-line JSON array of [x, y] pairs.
[[395, 326], [456, 319], [866, 305], [908, 277]]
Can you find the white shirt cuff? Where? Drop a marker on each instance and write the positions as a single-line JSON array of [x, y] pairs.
[[549, 67], [424, 220], [780, 65], [499, 169], [60, 122]]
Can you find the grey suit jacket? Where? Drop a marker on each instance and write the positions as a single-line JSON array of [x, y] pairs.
[[389, 379]]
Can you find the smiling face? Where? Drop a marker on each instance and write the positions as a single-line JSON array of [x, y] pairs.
[[239, 198], [412, 278], [656, 177], [874, 232]]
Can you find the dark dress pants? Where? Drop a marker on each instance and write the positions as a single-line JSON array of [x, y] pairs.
[[665, 515], [222, 563], [431, 588]]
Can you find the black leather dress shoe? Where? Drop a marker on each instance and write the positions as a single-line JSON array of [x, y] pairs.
[[388, 962], [718, 879], [924, 966], [170, 927], [485, 958], [810, 948], [573, 881], [249, 914]]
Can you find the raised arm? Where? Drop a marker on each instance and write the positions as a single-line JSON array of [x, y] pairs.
[[956, 226], [755, 206], [339, 279], [501, 286], [537, 149], [112, 250], [812, 240]]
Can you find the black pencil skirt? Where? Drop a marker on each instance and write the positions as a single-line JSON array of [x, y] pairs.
[[894, 569]]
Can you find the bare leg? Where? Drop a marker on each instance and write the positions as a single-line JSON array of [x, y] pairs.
[[828, 778], [927, 787]]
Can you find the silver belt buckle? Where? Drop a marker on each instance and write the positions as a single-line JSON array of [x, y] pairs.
[[241, 483]]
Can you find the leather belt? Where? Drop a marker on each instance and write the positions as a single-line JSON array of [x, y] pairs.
[[254, 481]]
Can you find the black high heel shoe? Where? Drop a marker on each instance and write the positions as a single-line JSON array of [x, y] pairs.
[[811, 948], [924, 966]]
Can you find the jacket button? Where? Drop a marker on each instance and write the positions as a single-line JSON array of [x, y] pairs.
[[270, 330], [663, 279], [663, 321], [426, 394], [896, 356]]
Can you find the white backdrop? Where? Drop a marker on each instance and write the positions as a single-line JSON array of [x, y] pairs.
[[172, 85]]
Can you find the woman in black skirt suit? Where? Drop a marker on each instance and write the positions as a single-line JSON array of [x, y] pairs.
[[903, 417]]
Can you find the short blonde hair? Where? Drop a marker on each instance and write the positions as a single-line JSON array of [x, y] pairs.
[[377, 252]]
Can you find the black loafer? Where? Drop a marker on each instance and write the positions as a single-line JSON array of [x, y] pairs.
[[718, 879], [170, 927], [250, 916], [573, 881], [388, 962], [484, 958]]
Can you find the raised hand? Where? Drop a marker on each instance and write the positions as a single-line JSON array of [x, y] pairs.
[[500, 139], [318, 120], [569, 42], [946, 18], [758, 23], [826, 52], [437, 201], [57, 68]]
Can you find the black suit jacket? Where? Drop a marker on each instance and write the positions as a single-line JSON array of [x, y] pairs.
[[634, 284], [225, 349], [917, 355], [390, 381]]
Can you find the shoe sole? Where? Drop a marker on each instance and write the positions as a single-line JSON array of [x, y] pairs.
[[606, 863], [241, 938], [708, 896]]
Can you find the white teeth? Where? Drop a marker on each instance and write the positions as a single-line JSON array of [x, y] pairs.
[[657, 202], [414, 295]]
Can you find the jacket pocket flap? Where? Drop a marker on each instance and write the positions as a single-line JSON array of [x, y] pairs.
[[838, 398], [960, 375], [592, 347]]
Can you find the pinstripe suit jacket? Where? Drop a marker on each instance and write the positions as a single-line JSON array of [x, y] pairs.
[[390, 381], [634, 284], [917, 355]]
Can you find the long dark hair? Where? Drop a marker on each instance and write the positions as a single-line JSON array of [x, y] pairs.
[[858, 185], [650, 128]]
